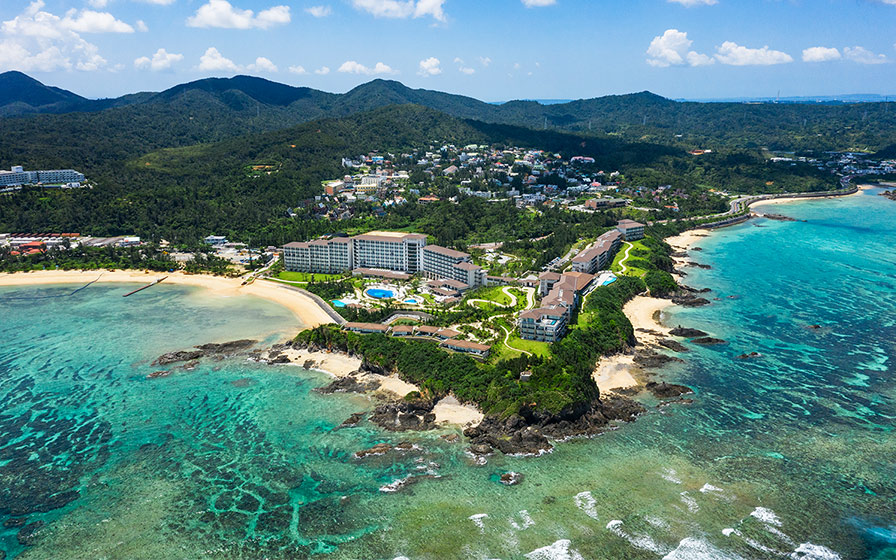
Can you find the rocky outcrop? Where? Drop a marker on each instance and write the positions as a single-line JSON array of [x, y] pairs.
[[889, 194], [749, 356], [511, 478], [352, 420], [205, 350], [698, 265], [685, 332], [665, 390], [378, 449], [531, 432], [647, 358], [688, 299], [708, 341], [27, 535], [348, 384], [673, 345], [401, 416]]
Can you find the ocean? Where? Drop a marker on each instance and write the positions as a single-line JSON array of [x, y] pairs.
[[790, 454]]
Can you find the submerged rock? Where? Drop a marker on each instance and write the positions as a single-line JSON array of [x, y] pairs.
[[352, 420], [378, 449], [180, 356], [673, 345], [687, 299], [204, 350], [647, 358], [27, 535], [749, 356]]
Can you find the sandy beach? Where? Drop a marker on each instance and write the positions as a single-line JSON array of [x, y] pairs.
[[448, 410], [617, 372], [308, 313], [777, 201]]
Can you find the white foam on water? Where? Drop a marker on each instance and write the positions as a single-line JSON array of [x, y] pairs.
[[710, 489], [690, 502], [396, 485], [560, 550], [670, 475], [767, 516], [696, 549], [809, 551], [526, 521], [479, 520], [586, 502], [643, 542], [656, 522], [727, 532], [757, 545]]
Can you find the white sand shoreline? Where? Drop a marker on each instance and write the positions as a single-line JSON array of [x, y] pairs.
[[306, 310]]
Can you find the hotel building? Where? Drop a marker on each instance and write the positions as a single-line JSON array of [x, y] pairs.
[[18, 176], [598, 256], [630, 229], [441, 262]]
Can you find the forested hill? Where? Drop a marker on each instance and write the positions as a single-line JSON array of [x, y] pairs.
[[216, 108]]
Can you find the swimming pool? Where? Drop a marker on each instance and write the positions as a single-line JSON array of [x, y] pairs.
[[608, 281], [380, 293], [337, 303], [411, 300]]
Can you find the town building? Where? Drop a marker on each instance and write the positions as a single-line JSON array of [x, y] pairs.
[[441, 262], [630, 229], [18, 176], [331, 256], [549, 322]]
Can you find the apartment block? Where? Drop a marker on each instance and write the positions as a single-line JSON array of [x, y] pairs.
[[630, 229]]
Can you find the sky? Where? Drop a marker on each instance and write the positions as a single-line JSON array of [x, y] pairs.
[[494, 50]]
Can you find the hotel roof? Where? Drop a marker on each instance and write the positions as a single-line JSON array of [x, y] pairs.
[[367, 327], [466, 345], [629, 224], [389, 236], [447, 252]]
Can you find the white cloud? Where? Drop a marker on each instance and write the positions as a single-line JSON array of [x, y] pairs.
[[672, 49], [297, 69], [485, 61], [692, 3], [320, 11], [462, 67], [862, 55], [430, 67], [89, 21], [161, 60], [36, 40], [141, 26], [735, 55], [213, 60], [402, 8], [262, 64], [221, 13], [352, 67], [820, 54], [159, 2], [99, 4], [538, 3], [322, 71]]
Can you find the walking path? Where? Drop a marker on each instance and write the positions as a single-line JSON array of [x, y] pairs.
[[506, 343], [622, 266]]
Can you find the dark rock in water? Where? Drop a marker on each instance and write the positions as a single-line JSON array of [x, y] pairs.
[[673, 345], [348, 384], [309, 364], [27, 535], [781, 218], [191, 365], [227, 347], [708, 340], [157, 374], [511, 478], [181, 356], [352, 420], [696, 248], [404, 446], [889, 194], [15, 522], [378, 449], [749, 356], [694, 290], [402, 416], [678, 254], [281, 359], [685, 332], [665, 390], [687, 299], [450, 438], [647, 358], [814, 327], [698, 265], [481, 449], [244, 382]]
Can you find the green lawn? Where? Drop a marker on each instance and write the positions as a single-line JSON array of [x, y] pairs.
[[630, 271], [491, 293], [308, 277]]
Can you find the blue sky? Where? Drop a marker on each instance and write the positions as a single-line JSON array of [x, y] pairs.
[[489, 49]]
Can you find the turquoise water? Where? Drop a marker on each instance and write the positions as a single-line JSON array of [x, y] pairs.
[[379, 293], [790, 455], [337, 303]]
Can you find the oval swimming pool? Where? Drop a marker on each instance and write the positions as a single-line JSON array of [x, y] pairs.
[[380, 293]]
